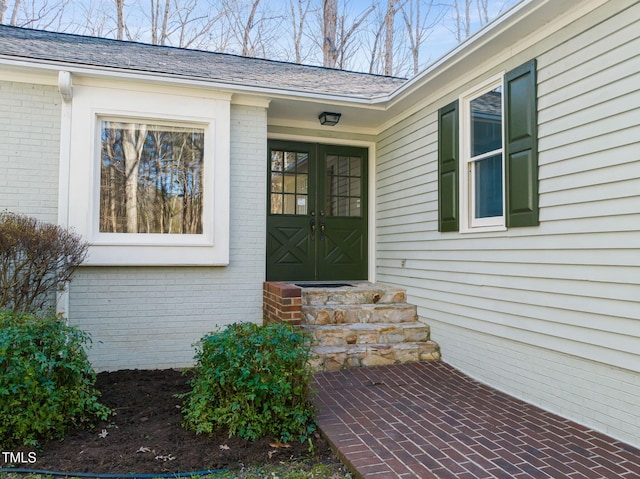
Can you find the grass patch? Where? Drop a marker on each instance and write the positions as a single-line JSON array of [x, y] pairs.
[[288, 470]]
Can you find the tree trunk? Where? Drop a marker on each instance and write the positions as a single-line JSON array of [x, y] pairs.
[[165, 20], [3, 9], [14, 13], [388, 39], [120, 15], [298, 22], [247, 51], [330, 21]]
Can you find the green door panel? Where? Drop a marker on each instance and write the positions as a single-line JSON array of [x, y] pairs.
[[316, 212], [343, 252], [289, 250]]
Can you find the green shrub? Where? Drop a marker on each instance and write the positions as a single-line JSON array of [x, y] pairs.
[[46, 381], [254, 381]]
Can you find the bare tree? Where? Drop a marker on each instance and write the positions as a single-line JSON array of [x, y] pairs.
[[463, 21], [193, 27], [251, 26], [483, 11], [94, 20], [420, 18], [462, 18], [299, 10], [389, 20], [120, 17], [3, 9], [159, 21], [335, 33], [338, 32], [329, 32], [248, 26], [14, 14], [45, 14]]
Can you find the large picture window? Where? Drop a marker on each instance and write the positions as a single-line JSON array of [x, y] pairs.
[[149, 175], [151, 178]]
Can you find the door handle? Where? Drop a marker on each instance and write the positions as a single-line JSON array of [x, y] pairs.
[[313, 225], [322, 227]]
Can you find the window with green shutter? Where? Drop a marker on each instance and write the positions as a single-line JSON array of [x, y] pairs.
[[487, 155]]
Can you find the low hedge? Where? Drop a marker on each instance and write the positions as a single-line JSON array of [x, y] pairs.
[[46, 380], [252, 380]]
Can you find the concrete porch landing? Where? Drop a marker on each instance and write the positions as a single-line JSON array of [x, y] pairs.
[[428, 420]]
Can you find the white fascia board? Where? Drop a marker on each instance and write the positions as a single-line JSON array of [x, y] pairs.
[[123, 74], [22, 74]]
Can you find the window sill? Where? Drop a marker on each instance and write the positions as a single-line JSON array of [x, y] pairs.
[[155, 255], [483, 229]]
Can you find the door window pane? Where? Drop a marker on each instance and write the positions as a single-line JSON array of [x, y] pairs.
[[302, 183], [343, 188], [289, 205], [276, 182], [354, 206], [301, 204], [289, 183]]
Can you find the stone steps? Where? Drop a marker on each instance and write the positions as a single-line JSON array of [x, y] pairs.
[[364, 324], [359, 313], [359, 293], [332, 358], [368, 333]]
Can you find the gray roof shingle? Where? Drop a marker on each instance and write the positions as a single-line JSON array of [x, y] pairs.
[[80, 50]]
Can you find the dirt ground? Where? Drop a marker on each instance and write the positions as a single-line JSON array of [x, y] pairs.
[[145, 435]]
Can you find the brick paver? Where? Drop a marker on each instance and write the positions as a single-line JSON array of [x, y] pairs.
[[428, 420]]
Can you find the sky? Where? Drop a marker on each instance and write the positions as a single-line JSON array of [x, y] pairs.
[[97, 17]]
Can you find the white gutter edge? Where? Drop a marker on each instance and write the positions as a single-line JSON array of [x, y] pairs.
[[106, 72]]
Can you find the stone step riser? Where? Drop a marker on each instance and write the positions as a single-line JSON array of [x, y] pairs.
[[361, 334], [319, 297], [335, 358], [364, 313], [363, 325]]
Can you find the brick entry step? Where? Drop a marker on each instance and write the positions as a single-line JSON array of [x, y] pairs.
[[355, 325]]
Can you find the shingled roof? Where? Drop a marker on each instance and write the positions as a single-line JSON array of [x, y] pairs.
[[27, 44]]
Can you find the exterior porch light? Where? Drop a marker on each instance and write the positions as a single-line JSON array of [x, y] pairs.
[[329, 119]]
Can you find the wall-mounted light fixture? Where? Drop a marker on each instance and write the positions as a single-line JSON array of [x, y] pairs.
[[329, 119]]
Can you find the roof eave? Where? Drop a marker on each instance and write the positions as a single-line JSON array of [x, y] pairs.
[[170, 79]]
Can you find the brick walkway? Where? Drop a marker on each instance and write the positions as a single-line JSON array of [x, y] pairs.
[[428, 420]]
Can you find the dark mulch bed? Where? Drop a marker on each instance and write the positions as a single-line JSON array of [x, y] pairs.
[[145, 435]]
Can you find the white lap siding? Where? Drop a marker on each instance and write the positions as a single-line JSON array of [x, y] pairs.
[[550, 313]]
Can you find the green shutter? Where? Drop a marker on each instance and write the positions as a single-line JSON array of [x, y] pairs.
[[448, 210], [521, 146]]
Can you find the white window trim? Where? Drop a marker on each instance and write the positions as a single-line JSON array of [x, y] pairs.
[[91, 104], [468, 223]]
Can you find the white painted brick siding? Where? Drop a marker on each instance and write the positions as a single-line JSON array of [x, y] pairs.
[[29, 149], [149, 318]]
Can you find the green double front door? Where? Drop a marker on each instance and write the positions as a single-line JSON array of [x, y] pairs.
[[317, 212]]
